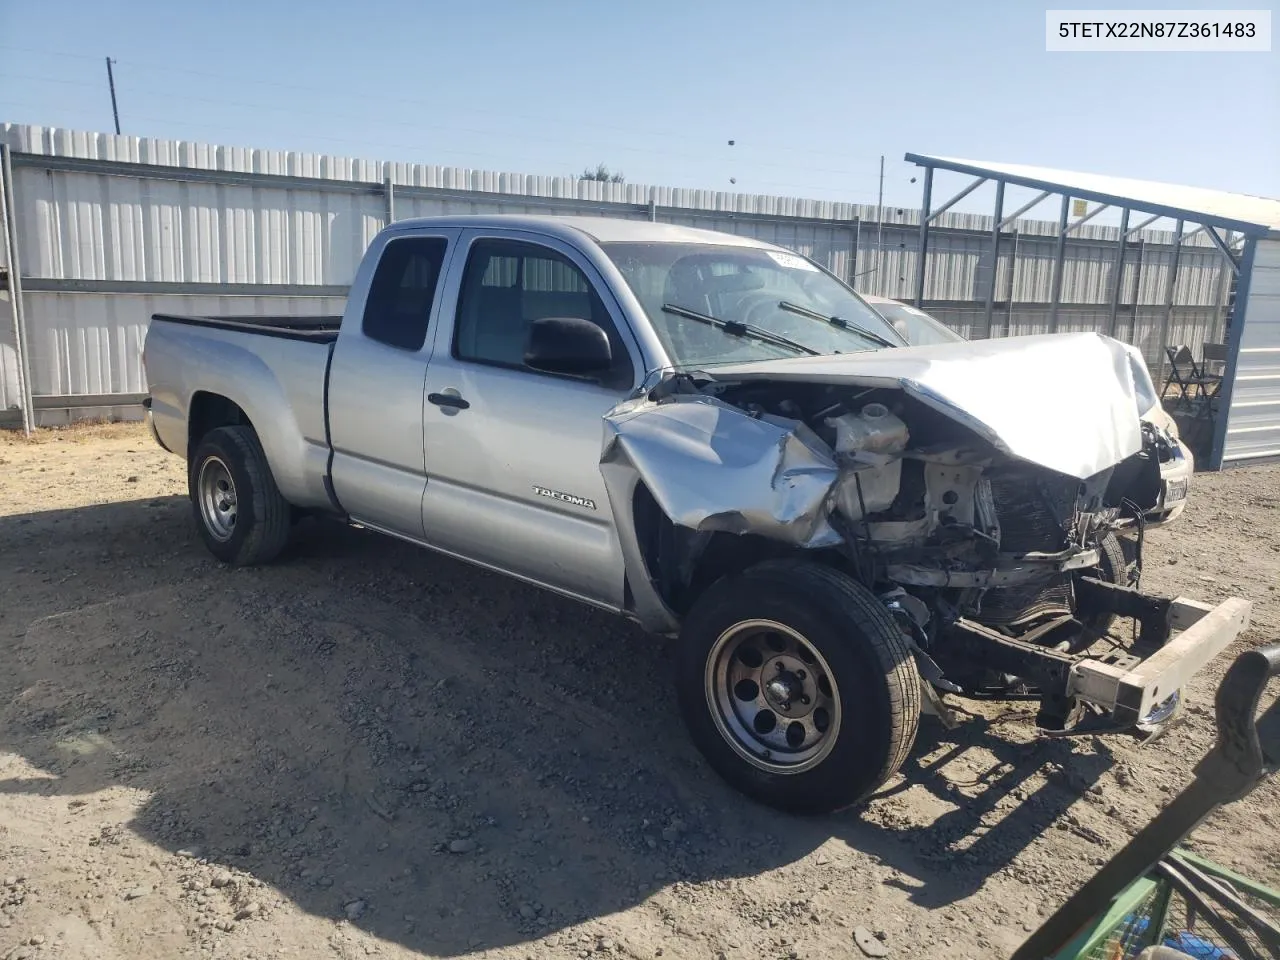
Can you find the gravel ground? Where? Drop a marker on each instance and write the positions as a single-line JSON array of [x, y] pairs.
[[366, 749]]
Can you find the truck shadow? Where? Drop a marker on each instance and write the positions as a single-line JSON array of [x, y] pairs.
[[447, 759]]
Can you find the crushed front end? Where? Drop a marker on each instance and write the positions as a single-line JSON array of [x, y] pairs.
[[957, 484]]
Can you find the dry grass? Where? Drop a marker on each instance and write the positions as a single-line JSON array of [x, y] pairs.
[[82, 431]]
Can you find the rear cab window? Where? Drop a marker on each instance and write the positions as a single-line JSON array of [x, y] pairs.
[[398, 309]]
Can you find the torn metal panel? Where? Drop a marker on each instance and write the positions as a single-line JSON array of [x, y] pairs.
[[713, 467], [1063, 401]]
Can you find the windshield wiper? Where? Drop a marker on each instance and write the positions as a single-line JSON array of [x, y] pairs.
[[736, 329], [836, 322]]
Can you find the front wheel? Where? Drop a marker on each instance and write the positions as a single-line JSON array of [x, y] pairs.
[[798, 686]]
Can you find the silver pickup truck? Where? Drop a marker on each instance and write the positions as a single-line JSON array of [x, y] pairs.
[[717, 438]]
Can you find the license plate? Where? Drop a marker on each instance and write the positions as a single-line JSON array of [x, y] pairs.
[[1175, 490]]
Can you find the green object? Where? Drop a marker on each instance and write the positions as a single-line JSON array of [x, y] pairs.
[[1140, 915], [1126, 924], [1252, 887]]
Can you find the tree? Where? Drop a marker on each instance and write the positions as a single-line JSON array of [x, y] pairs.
[[602, 174]]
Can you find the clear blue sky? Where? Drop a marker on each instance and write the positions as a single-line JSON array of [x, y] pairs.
[[813, 92]]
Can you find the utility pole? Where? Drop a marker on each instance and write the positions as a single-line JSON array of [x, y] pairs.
[[880, 231], [111, 82]]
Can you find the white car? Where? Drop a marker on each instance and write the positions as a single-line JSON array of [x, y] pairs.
[[1176, 462]]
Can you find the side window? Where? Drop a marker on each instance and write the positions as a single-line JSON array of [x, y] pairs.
[[403, 289], [507, 285]]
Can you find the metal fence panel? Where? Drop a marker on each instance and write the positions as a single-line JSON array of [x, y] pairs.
[[92, 344], [99, 227], [1253, 421], [205, 214]]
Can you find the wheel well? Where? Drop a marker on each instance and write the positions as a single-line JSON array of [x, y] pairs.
[[683, 563], [209, 411]]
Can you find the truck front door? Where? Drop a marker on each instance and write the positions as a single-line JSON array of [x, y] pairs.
[[513, 454]]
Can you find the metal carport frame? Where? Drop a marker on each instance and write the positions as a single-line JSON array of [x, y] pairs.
[[1256, 218]]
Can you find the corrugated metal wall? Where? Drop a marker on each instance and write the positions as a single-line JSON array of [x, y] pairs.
[[1253, 418], [112, 229]]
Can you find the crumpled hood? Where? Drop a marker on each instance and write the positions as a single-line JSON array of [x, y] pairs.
[[1063, 401]]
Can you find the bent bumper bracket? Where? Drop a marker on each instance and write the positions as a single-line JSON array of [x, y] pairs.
[[1130, 692]]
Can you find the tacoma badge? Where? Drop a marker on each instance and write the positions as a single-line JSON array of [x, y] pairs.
[[564, 497]]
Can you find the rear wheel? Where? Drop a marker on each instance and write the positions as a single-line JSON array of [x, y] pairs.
[[798, 686], [241, 515]]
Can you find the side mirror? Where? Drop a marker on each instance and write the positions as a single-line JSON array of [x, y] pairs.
[[568, 345]]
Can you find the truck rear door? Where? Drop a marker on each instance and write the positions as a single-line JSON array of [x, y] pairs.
[[513, 454], [376, 379]]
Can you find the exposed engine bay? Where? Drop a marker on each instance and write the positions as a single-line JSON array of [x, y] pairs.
[[989, 533]]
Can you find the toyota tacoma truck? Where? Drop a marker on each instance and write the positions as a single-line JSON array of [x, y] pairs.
[[718, 439]]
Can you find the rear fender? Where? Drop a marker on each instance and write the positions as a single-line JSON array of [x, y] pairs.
[[287, 417]]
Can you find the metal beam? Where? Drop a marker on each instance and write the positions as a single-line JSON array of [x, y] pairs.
[[1098, 196], [1089, 216], [1235, 336], [183, 288], [957, 198], [853, 252], [1221, 292], [1117, 270], [9, 211], [995, 253], [80, 401], [1022, 209], [1137, 287], [1170, 282], [1013, 285], [1059, 261], [1226, 252], [924, 235], [1140, 227], [389, 189], [147, 171], [1187, 236], [152, 171]]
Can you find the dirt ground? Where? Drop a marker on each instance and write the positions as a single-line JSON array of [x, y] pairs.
[[367, 749]]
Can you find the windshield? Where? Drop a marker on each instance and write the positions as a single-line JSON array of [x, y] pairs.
[[752, 295], [916, 326]]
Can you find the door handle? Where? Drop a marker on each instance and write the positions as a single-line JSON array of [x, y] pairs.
[[448, 400]]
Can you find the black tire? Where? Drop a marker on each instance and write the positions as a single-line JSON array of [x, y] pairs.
[[259, 528], [876, 682], [1113, 567]]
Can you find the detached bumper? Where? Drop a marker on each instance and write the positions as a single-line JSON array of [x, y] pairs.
[[1131, 690], [1128, 689]]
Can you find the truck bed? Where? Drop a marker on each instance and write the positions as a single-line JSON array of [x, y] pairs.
[[311, 329]]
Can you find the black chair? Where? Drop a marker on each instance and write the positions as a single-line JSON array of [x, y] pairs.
[[1181, 374], [1196, 386]]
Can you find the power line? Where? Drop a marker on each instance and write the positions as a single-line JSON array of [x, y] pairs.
[[370, 144], [381, 96], [367, 144]]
